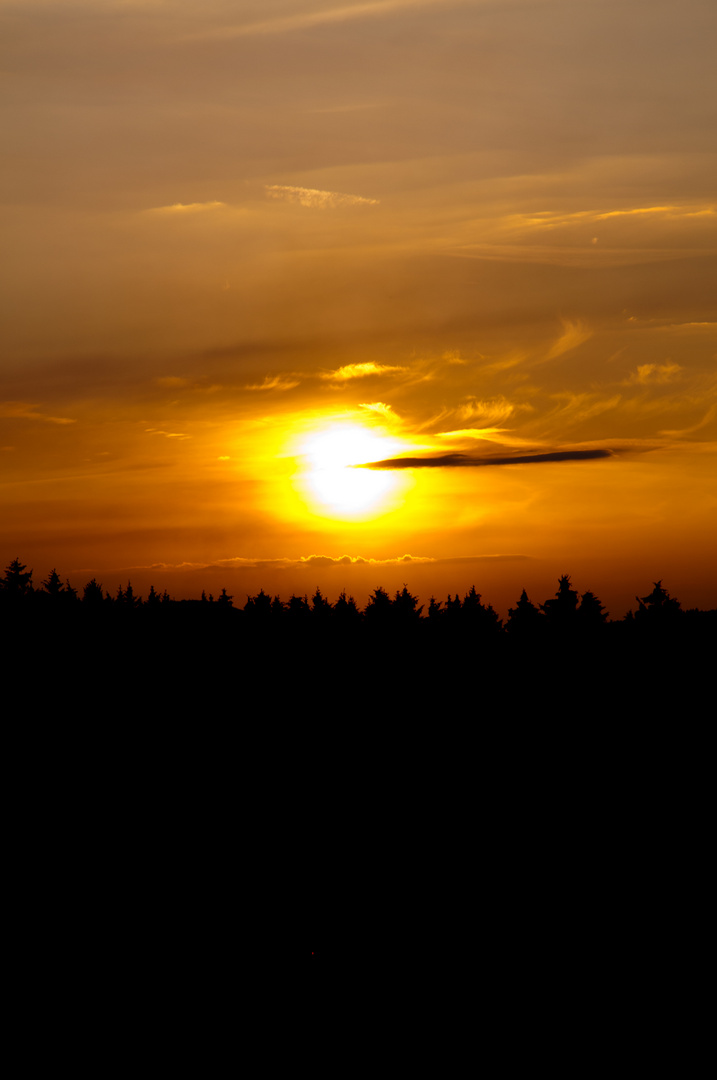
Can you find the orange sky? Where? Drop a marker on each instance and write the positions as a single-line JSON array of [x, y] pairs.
[[249, 245]]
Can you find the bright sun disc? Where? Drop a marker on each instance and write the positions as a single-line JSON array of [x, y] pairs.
[[332, 484]]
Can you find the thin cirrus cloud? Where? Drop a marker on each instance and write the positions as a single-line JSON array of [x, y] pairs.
[[283, 24], [654, 373], [274, 382], [378, 408], [360, 371], [187, 208], [574, 334], [168, 434], [22, 410], [548, 219], [315, 197]]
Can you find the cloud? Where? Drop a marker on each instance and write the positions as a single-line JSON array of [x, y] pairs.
[[492, 410], [548, 219], [283, 24], [313, 563], [360, 371], [574, 334], [315, 198], [274, 382], [168, 434], [654, 373], [707, 419], [187, 208], [379, 408], [489, 434], [454, 461], [22, 410], [350, 560]]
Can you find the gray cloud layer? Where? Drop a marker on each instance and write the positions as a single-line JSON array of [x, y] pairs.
[[454, 461]]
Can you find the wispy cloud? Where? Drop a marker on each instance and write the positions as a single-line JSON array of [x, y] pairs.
[[654, 373], [303, 20], [359, 371], [22, 410], [274, 382], [490, 410], [187, 208], [168, 434], [315, 198], [709, 416], [548, 219], [379, 408], [489, 434], [574, 334]]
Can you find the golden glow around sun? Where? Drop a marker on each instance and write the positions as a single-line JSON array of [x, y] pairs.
[[331, 485]]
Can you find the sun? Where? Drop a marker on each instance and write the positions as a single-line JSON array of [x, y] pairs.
[[330, 482]]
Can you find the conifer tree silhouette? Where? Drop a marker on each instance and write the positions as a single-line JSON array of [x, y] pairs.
[[476, 616], [298, 607], [259, 607], [92, 593], [561, 611], [130, 599], [434, 608], [378, 608], [320, 606], [453, 607], [591, 614], [525, 619], [276, 609], [405, 606], [153, 599], [53, 584], [658, 607], [346, 610], [17, 582]]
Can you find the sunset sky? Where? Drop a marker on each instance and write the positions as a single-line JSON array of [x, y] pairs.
[[250, 245]]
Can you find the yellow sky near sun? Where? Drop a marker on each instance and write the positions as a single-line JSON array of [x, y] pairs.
[[249, 242]]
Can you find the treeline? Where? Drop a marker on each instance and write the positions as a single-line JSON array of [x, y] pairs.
[[566, 613]]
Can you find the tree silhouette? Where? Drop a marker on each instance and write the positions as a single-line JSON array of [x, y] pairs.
[[525, 619], [92, 593], [591, 614], [259, 607], [658, 607], [69, 593], [276, 608], [453, 607], [404, 606], [345, 610], [320, 606], [17, 582], [476, 617], [434, 608], [53, 584], [298, 607], [560, 612], [153, 598]]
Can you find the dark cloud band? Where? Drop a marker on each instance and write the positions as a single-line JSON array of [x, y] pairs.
[[463, 461]]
